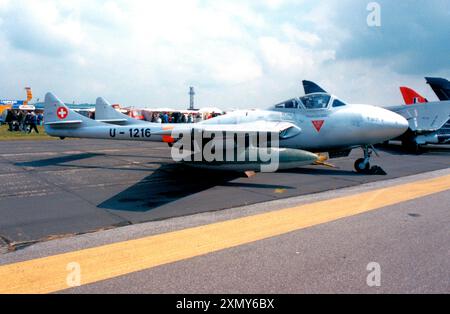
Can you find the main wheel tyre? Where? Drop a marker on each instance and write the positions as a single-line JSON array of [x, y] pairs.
[[361, 167], [412, 147]]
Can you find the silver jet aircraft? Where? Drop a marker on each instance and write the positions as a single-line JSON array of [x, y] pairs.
[[304, 127], [429, 122], [62, 122]]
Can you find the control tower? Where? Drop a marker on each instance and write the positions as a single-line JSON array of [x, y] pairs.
[[191, 94]]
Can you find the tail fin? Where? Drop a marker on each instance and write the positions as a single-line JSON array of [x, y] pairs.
[[104, 112], [411, 96], [58, 115], [440, 86], [311, 88]]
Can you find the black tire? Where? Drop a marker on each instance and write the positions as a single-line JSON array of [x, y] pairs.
[[411, 147], [62, 138], [359, 168]]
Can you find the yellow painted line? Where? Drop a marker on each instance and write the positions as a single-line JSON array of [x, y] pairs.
[[51, 273]]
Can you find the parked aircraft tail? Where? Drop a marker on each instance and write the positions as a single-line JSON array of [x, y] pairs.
[[57, 115], [104, 112], [311, 88], [411, 96], [440, 86]]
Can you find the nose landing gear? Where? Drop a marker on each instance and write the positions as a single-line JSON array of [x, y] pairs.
[[362, 165]]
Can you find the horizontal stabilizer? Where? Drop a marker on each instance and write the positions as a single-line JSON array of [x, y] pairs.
[[112, 121], [61, 123]]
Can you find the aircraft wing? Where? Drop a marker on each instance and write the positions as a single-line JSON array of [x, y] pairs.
[[285, 129], [425, 117]]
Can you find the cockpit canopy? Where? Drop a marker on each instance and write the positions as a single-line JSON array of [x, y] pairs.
[[312, 102], [316, 101]]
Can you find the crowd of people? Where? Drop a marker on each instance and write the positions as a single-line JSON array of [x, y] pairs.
[[179, 117], [27, 121], [23, 121]]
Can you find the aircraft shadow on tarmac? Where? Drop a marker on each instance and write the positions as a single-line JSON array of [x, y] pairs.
[[172, 182], [57, 160], [64, 161]]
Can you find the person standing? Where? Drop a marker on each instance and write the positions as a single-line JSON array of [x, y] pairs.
[[15, 121], [27, 122], [21, 120], [165, 118], [40, 118], [32, 121], [9, 120]]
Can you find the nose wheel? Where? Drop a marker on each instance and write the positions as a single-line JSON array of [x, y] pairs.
[[362, 165]]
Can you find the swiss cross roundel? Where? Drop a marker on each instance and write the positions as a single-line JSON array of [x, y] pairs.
[[62, 113]]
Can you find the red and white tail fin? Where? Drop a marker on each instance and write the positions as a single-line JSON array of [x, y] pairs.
[[411, 96]]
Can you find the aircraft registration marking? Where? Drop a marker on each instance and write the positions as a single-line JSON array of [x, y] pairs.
[[133, 133]]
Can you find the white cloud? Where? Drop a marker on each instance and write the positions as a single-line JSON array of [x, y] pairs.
[[3, 4], [297, 35], [289, 56], [248, 53], [41, 28], [274, 4]]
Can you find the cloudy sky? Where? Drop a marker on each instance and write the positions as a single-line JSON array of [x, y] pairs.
[[236, 53]]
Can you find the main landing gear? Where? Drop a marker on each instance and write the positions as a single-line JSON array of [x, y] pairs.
[[362, 165]]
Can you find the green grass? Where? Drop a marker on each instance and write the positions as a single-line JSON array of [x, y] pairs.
[[5, 135]]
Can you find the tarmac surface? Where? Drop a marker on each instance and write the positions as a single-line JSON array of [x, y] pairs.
[[326, 251], [52, 189], [409, 243]]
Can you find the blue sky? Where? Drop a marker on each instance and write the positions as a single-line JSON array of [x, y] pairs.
[[236, 53]]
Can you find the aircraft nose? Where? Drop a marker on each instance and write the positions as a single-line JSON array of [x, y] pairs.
[[395, 123]]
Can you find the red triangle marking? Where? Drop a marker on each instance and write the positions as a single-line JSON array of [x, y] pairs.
[[318, 124]]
